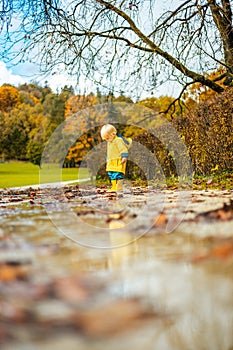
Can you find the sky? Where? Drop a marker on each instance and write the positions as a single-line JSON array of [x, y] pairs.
[[28, 72], [7, 76]]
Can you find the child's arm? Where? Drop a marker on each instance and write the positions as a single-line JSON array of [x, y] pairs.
[[123, 150]]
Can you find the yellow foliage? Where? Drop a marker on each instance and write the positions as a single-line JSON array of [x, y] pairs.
[[197, 93], [9, 98], [160, 105], [207, 130], [215, 168]]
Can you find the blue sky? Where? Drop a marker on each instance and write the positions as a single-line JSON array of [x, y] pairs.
[[28, 72]]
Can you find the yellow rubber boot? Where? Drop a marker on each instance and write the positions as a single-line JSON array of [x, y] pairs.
[[114, 185], [119, 185]]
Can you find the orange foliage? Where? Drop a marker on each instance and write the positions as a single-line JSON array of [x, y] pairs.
[[83, 123], [77, 103], [9, 98], [197, 93]]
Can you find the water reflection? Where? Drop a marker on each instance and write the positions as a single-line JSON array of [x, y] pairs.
[[193, 301], [122, 240]]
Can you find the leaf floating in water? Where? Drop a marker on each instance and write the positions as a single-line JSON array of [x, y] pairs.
[[223, 251], [10, 273], [161, 221]]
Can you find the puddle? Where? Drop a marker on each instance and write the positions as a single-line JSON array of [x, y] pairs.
[[154, 291]]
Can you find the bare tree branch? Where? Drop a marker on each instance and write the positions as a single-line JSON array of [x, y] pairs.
[[115, 43]]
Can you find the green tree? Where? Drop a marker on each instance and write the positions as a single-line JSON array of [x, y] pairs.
[[14, 135], [54, 109], [34, 151]]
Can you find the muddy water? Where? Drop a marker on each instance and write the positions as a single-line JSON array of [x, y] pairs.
[[184, 293]]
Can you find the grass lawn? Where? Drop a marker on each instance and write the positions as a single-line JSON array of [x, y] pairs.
[[15, 174]]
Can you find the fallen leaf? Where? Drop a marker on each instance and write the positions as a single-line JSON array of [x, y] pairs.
[[161, 221], [11, 273], [69, 195], [209, 181], [222, 214]]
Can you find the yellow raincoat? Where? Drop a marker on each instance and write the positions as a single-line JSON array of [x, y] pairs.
[[116, 150]]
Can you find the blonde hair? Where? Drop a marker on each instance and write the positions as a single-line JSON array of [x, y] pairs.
[[107, 130]]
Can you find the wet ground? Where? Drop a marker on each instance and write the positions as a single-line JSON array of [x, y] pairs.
[[148, 269]]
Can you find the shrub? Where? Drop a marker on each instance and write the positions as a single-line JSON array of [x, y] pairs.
[[207, 133], [151, 158]]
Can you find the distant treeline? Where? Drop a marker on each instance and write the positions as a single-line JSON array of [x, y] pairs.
[[29, 114]]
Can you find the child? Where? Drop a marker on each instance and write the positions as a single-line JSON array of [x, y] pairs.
[[117, 155]]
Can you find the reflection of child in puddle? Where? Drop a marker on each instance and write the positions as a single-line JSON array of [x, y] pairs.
[[117, 155], [123, 244]]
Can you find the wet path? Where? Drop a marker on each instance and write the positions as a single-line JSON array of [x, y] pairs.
[[85, 270]]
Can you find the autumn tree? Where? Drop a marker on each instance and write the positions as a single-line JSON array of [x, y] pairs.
[[28, 116], [20, 124], [10, 128], [9, 98], [197, 93], [128, 45], [51, 110], [122, 98], [84, 123], [162, 105]]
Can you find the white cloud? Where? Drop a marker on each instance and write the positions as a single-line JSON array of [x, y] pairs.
[[56, 82], [7, 77], [27, 73]]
